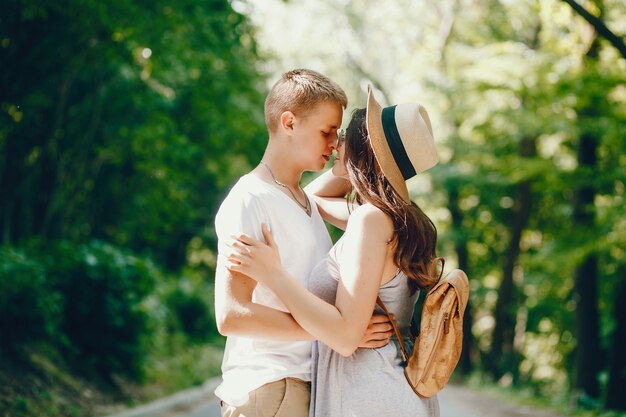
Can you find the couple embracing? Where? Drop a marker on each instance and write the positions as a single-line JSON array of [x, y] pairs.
[[304, 334]]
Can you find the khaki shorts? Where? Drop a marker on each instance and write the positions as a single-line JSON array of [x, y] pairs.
[[287, 397]]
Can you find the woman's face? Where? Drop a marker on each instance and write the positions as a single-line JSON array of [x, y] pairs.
[[339, 166]]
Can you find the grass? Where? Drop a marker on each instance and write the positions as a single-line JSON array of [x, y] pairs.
[[191, 366], [40, 385], [560, 402]]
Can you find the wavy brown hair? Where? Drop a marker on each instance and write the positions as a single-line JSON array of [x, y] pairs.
[[415, 235]]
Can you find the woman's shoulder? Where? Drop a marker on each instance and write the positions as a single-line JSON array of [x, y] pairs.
[[369, 216], [368, 210]]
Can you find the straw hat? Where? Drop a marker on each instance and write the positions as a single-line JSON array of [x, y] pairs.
[[402, 139]]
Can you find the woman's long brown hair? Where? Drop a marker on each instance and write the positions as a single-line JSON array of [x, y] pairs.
[[415, 236]]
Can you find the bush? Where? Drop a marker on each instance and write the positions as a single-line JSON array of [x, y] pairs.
[[103, 319], [30, 309], [191, 313], [98, 308]]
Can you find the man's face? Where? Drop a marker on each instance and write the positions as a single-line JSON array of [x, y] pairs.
[[315, 135]]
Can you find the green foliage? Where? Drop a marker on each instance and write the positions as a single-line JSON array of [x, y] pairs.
[[126, 123], [86, 301], [186, 348], [75, 313], [131, 124], [175, 364], [191, 312], [30, 308], [103, 319], [510, 92], [122, 123]]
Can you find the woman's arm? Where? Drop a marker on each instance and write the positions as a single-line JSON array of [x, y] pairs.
[[328, 192], [340, 326], [328, 185]]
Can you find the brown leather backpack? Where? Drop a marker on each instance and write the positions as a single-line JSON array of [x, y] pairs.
[[438, 346]]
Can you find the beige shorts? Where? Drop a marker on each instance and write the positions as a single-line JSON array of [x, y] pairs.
[[287, 397]]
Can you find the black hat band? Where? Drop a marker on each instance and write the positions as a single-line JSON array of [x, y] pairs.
[[395, 143]]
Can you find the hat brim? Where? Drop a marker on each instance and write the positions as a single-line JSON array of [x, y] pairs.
[[381, 149]]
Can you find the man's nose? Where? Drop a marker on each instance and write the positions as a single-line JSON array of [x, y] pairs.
[[335, 142]]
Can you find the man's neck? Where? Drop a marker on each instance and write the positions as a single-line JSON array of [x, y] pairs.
[[279, 168]]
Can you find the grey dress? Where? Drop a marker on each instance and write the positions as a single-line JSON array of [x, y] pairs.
[[370, 382]]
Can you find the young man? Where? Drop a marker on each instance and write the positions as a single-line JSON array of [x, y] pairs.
[[266, 365]]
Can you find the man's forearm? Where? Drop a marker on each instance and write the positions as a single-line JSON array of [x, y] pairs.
[[258, 321]]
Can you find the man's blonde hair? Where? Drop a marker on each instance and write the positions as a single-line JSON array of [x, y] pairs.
[[298, 91]]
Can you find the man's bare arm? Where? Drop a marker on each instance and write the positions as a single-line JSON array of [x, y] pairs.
[[237, 315]]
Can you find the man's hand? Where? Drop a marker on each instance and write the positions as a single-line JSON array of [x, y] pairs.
[[378, 332]]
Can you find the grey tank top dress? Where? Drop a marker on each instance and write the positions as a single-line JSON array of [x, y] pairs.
[[370, 382]]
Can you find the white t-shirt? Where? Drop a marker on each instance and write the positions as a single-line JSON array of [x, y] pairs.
[[302, 241]]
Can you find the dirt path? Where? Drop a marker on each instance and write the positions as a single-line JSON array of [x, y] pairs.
[[455, 401], [458, 401]]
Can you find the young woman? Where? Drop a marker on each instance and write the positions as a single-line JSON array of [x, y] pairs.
[[387, 250]]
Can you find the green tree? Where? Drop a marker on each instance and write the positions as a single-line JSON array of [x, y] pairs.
[[504, 83], [124, 121], [122, 124]]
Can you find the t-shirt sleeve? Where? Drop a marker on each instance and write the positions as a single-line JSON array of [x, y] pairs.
[[241, 213]]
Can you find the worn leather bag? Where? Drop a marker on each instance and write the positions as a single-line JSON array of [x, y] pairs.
[[438, 347]]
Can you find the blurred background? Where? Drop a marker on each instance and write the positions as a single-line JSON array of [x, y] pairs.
[[124, 123]]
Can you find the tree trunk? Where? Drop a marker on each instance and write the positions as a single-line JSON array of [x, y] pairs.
[[587, 357], [9, 187], [615, 398], [503, 358], [460, 245], [13, 153], [588, 360]]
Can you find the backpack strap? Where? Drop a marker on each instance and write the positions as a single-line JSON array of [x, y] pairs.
[[394, 325]]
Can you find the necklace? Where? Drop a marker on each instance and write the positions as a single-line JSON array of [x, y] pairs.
[[307, 206]]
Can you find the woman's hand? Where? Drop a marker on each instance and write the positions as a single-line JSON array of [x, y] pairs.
[[258, 260], [378, 332]]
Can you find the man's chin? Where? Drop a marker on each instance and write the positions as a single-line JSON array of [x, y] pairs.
[[321, 166], [316, 168]]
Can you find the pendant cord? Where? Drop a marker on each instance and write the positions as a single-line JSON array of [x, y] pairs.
[[306, 207]]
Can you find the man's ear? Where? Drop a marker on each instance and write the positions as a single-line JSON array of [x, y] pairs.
[[287, 120]]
